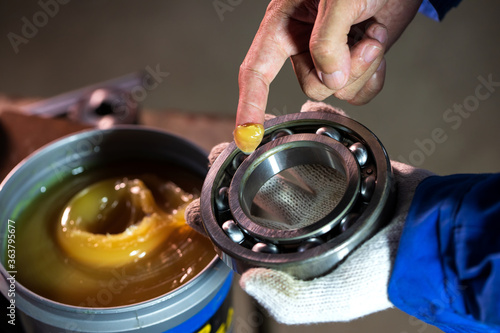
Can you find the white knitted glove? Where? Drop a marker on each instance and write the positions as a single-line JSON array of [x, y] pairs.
[[356, 288]]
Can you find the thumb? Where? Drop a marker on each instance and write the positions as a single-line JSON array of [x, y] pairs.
[[215, 152], [275, 291], [192, 214], [329, 39]]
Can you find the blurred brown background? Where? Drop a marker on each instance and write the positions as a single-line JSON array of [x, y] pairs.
[[434, 68]]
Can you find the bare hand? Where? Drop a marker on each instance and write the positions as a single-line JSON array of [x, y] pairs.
[[337, 48]]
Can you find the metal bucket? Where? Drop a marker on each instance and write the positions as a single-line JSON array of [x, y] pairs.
[[202, 304]]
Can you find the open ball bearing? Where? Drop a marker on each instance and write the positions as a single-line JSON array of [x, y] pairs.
[[312, 246]]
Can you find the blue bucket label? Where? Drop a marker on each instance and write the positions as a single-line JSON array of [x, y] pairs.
[[216, 316], [221, 321]]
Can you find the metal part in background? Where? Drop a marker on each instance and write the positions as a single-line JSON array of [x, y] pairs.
[[102, 104], [304, 250], [104, 108]]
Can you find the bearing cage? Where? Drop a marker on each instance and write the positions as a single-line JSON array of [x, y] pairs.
[[315, 249]]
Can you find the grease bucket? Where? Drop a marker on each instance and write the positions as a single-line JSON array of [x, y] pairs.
[[201, 305]]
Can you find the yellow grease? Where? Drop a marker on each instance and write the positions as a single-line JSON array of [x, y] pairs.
[[248, 136], [117, 202], [107, 279]]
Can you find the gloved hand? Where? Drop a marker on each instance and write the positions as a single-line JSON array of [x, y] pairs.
[[356, 288]]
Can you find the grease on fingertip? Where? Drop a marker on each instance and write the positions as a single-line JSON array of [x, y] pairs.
[[248, 136]]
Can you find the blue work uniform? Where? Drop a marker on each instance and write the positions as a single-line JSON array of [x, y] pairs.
[[447, 269], [437, 9]]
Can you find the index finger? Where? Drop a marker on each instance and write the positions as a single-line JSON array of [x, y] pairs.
[[266, 56]]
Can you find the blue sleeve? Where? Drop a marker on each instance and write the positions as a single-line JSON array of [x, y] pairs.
[[447, 269], [437, 9]]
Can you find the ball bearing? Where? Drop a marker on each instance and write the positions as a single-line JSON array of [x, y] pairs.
[[249, 206]]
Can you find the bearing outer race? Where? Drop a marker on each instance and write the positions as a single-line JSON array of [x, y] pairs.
[[320, 259]]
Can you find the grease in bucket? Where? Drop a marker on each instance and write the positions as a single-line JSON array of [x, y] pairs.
[[137, 250]]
